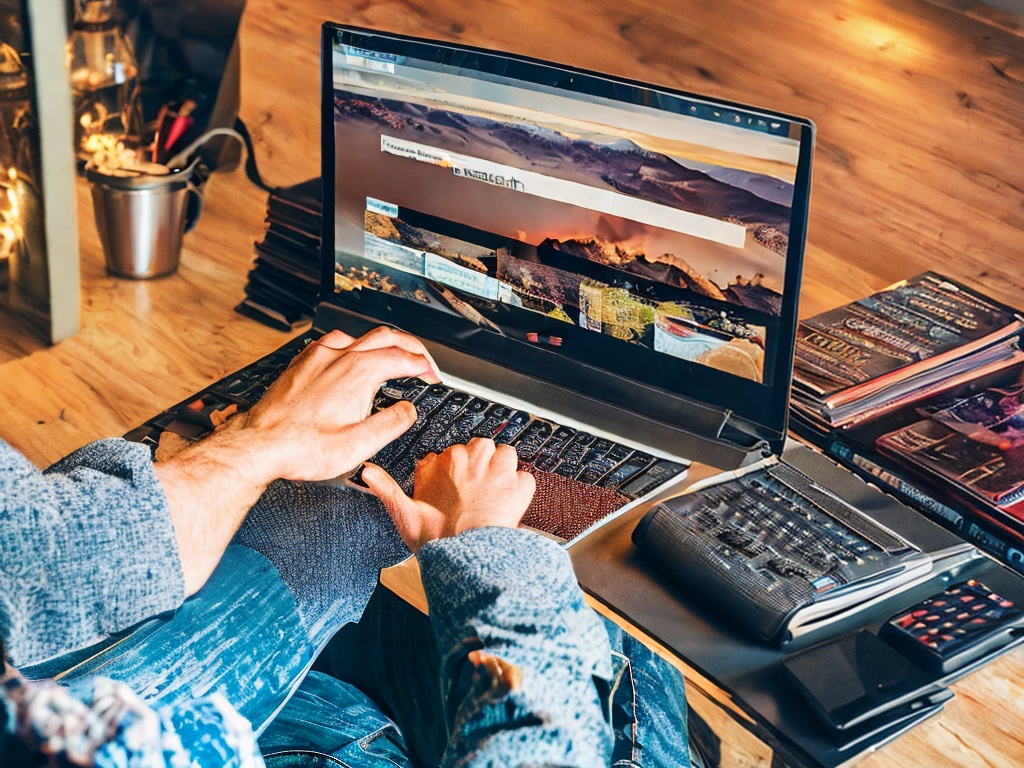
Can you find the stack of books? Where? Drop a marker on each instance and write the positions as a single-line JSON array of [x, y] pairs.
[[896, 346], [283, 285], [920, 388]]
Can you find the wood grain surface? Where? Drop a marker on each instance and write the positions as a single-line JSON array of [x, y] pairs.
[[919, 165]]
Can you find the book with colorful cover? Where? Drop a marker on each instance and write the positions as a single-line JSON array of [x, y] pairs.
[[897, 345], [976, 443], [998, 532]]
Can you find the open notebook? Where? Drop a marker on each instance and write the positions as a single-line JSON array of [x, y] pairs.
[[605, 271]]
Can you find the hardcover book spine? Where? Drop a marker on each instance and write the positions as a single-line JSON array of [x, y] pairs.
[[1002, 545]]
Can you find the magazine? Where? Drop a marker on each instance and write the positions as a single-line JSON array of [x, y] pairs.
[[898, 345], [976, 443]]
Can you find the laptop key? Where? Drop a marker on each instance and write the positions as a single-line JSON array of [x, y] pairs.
[[238, 387], [546, 462], [531, 439], [494, 421], [659, 472], [637, 463], [425, 403], [597, 452], [432, 436], [512, 429], [404, 389], [592, 473], [461, 429], [551, 452], [576, 450], [619, 453], [568, 469], [560, 437]]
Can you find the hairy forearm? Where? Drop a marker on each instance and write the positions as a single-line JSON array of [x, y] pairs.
[[210, 487], [311, 425]]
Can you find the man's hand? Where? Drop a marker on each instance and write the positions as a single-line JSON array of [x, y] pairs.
[[312, 424], [316, 418], [466, 486]]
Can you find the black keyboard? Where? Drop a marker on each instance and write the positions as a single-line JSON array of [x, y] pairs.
[[776, 525], [445, 416], [767, 543], [839, 511], [765, 529], [197, 416]]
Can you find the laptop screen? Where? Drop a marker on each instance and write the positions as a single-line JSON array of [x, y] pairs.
[[567, 224]]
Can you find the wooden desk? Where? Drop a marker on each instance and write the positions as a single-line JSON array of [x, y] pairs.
[[919, 109]]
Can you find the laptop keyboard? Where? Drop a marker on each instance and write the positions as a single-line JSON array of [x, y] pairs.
[[446, 416], [197, 416], [581, 478]]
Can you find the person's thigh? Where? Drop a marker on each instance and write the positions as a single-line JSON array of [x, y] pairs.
[[392, 655], [648, 706], [239, 636]]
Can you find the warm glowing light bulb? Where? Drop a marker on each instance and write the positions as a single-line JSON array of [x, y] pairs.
[[11, 231]]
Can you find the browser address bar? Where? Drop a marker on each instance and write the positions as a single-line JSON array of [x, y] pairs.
[[571, 192]]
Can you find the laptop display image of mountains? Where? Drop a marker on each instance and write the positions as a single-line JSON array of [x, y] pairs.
[[606, 271]]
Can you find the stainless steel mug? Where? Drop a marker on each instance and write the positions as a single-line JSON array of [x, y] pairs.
[[141, 219]]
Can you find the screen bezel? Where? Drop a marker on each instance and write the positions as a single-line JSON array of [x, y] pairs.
[[750, 412]]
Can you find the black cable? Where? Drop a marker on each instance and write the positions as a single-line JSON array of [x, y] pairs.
[[251, 170]]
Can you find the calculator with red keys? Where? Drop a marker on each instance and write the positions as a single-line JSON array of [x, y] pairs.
[[952, 629]]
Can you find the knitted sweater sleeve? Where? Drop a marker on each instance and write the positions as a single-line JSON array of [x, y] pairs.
[[87, 549], [522, 655]]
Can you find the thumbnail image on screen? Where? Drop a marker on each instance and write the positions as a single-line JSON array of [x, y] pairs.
[[569, 221]]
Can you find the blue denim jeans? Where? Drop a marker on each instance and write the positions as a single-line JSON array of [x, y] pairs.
[[653, 693], [330, 722], [240, 636], [303, 564], [390, 660], [254, 630]]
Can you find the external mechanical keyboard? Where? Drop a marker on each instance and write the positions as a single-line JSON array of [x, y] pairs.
[[774, 550], [777, 524]]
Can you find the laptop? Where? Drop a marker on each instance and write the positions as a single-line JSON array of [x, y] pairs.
[[608, 268]]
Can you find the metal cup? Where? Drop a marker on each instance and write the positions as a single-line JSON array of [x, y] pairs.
[[141, 219]]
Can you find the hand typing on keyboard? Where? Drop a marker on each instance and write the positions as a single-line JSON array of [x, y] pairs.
[[581, 478], [301, 413], [465, 486], [317, 413], [313, 423]]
